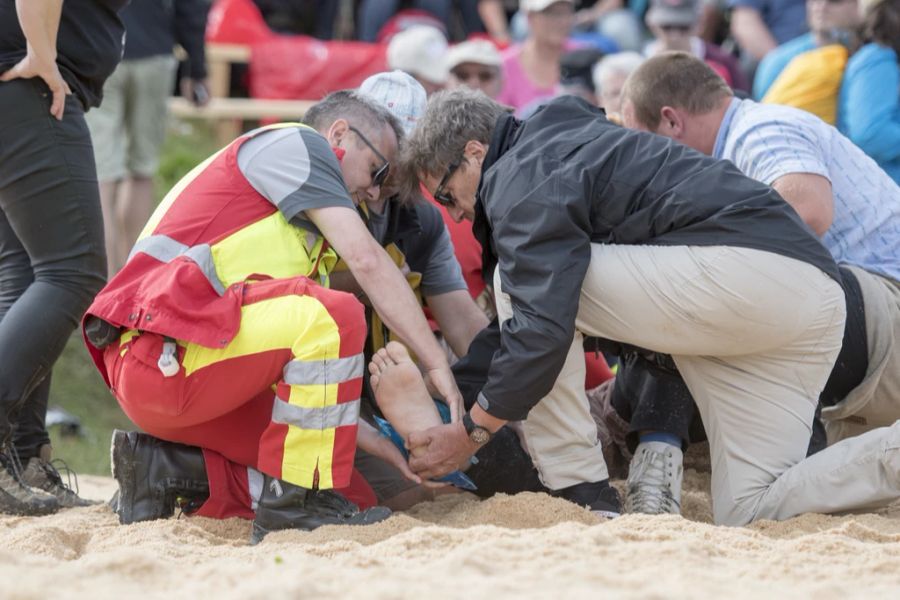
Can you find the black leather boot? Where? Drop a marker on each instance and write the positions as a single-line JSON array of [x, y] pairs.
[[153, 474], [286, 506], [598, 497]]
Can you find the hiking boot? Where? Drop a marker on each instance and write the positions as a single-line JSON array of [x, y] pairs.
[[599, 497], [40, 474], [654, 480], [286, 506], [153, 475], [16, 498]]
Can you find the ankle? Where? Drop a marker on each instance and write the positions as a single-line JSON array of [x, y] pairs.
[[662, 437]]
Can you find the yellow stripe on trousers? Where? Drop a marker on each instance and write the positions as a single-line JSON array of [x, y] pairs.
[[302, 324]]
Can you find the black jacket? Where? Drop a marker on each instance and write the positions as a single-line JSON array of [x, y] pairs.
[[565, 178], [154, 26]]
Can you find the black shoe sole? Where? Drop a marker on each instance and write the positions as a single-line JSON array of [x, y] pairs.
[[123, 474], [257, 534], [373, 515]]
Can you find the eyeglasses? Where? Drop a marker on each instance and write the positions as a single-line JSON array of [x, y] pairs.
[[678, 28], [445, 198], [483, 75], [381, 173]]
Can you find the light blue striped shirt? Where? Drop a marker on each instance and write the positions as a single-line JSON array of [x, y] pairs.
[[767, 141]]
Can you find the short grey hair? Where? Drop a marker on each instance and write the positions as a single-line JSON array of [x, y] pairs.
[[358, 109], [621, 62], [452, 118]]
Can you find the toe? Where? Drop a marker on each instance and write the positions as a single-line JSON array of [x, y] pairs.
[[379, 361], [397, 352]]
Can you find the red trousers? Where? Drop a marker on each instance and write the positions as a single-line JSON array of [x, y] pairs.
[[281, 399]]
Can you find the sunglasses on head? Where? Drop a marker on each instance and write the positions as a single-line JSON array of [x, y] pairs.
[[380, 174], [445, 198]]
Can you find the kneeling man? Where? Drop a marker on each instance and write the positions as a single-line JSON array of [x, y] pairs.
[[219, 333], [625, 235]]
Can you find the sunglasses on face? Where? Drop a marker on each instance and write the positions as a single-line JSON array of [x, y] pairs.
[[381, 173], [446, 198], [675, 28], [482, 75]]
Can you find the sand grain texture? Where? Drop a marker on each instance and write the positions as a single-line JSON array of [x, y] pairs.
[[528, 545]]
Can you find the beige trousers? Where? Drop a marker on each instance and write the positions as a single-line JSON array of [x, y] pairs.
[[754, 335], [875, 402]]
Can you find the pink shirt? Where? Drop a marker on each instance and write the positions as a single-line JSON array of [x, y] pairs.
[[518, 90]]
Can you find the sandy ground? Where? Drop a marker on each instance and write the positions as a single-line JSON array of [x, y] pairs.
[[528, 545]]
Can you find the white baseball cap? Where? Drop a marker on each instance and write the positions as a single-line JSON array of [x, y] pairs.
[[480, 52], [420, 51], [400, 93], [538, 5]]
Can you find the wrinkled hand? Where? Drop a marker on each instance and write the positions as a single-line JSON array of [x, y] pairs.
[[30, 67], [442, 382], [439, 450]]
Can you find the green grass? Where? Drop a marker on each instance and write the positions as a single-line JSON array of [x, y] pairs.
[[77, 386], [187, 144]]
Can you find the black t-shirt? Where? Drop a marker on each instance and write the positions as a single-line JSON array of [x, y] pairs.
[[89, 43]]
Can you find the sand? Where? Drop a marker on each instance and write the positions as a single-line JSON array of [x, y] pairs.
[[529, 545]]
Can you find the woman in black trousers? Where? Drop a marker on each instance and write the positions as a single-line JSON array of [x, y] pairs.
[[54, 58]]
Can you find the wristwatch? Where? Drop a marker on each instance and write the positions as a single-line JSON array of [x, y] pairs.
[[478, 434]]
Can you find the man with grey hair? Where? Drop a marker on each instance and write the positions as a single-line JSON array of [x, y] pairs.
[[609, 75], [412, 232], [221, 341], [603, 231]]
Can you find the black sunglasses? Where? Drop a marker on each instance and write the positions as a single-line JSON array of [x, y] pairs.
[[680, 28], [381, 173], [445, 198], [482, 75]]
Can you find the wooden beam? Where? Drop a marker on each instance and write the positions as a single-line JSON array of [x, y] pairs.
[[234, 53], [240, 108]]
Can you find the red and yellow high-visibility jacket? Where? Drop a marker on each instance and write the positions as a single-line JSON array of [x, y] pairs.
[[212, 232]]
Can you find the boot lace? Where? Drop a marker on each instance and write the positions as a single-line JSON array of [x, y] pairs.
[[650, 485], [53, 474]]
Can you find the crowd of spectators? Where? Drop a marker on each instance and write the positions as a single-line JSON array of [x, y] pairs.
[[834, 58]]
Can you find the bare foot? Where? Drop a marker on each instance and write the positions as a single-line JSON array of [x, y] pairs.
[[400, 391]]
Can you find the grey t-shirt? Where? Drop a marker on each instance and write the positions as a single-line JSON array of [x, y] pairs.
[[295, 169], [428, 249]]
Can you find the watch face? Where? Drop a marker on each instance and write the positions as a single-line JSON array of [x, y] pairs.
[[480, 435]]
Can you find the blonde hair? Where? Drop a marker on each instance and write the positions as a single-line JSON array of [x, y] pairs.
[[673, 79]]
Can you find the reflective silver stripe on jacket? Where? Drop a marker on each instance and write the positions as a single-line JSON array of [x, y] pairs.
[[318, 419], [322, 372], [165, 249]]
